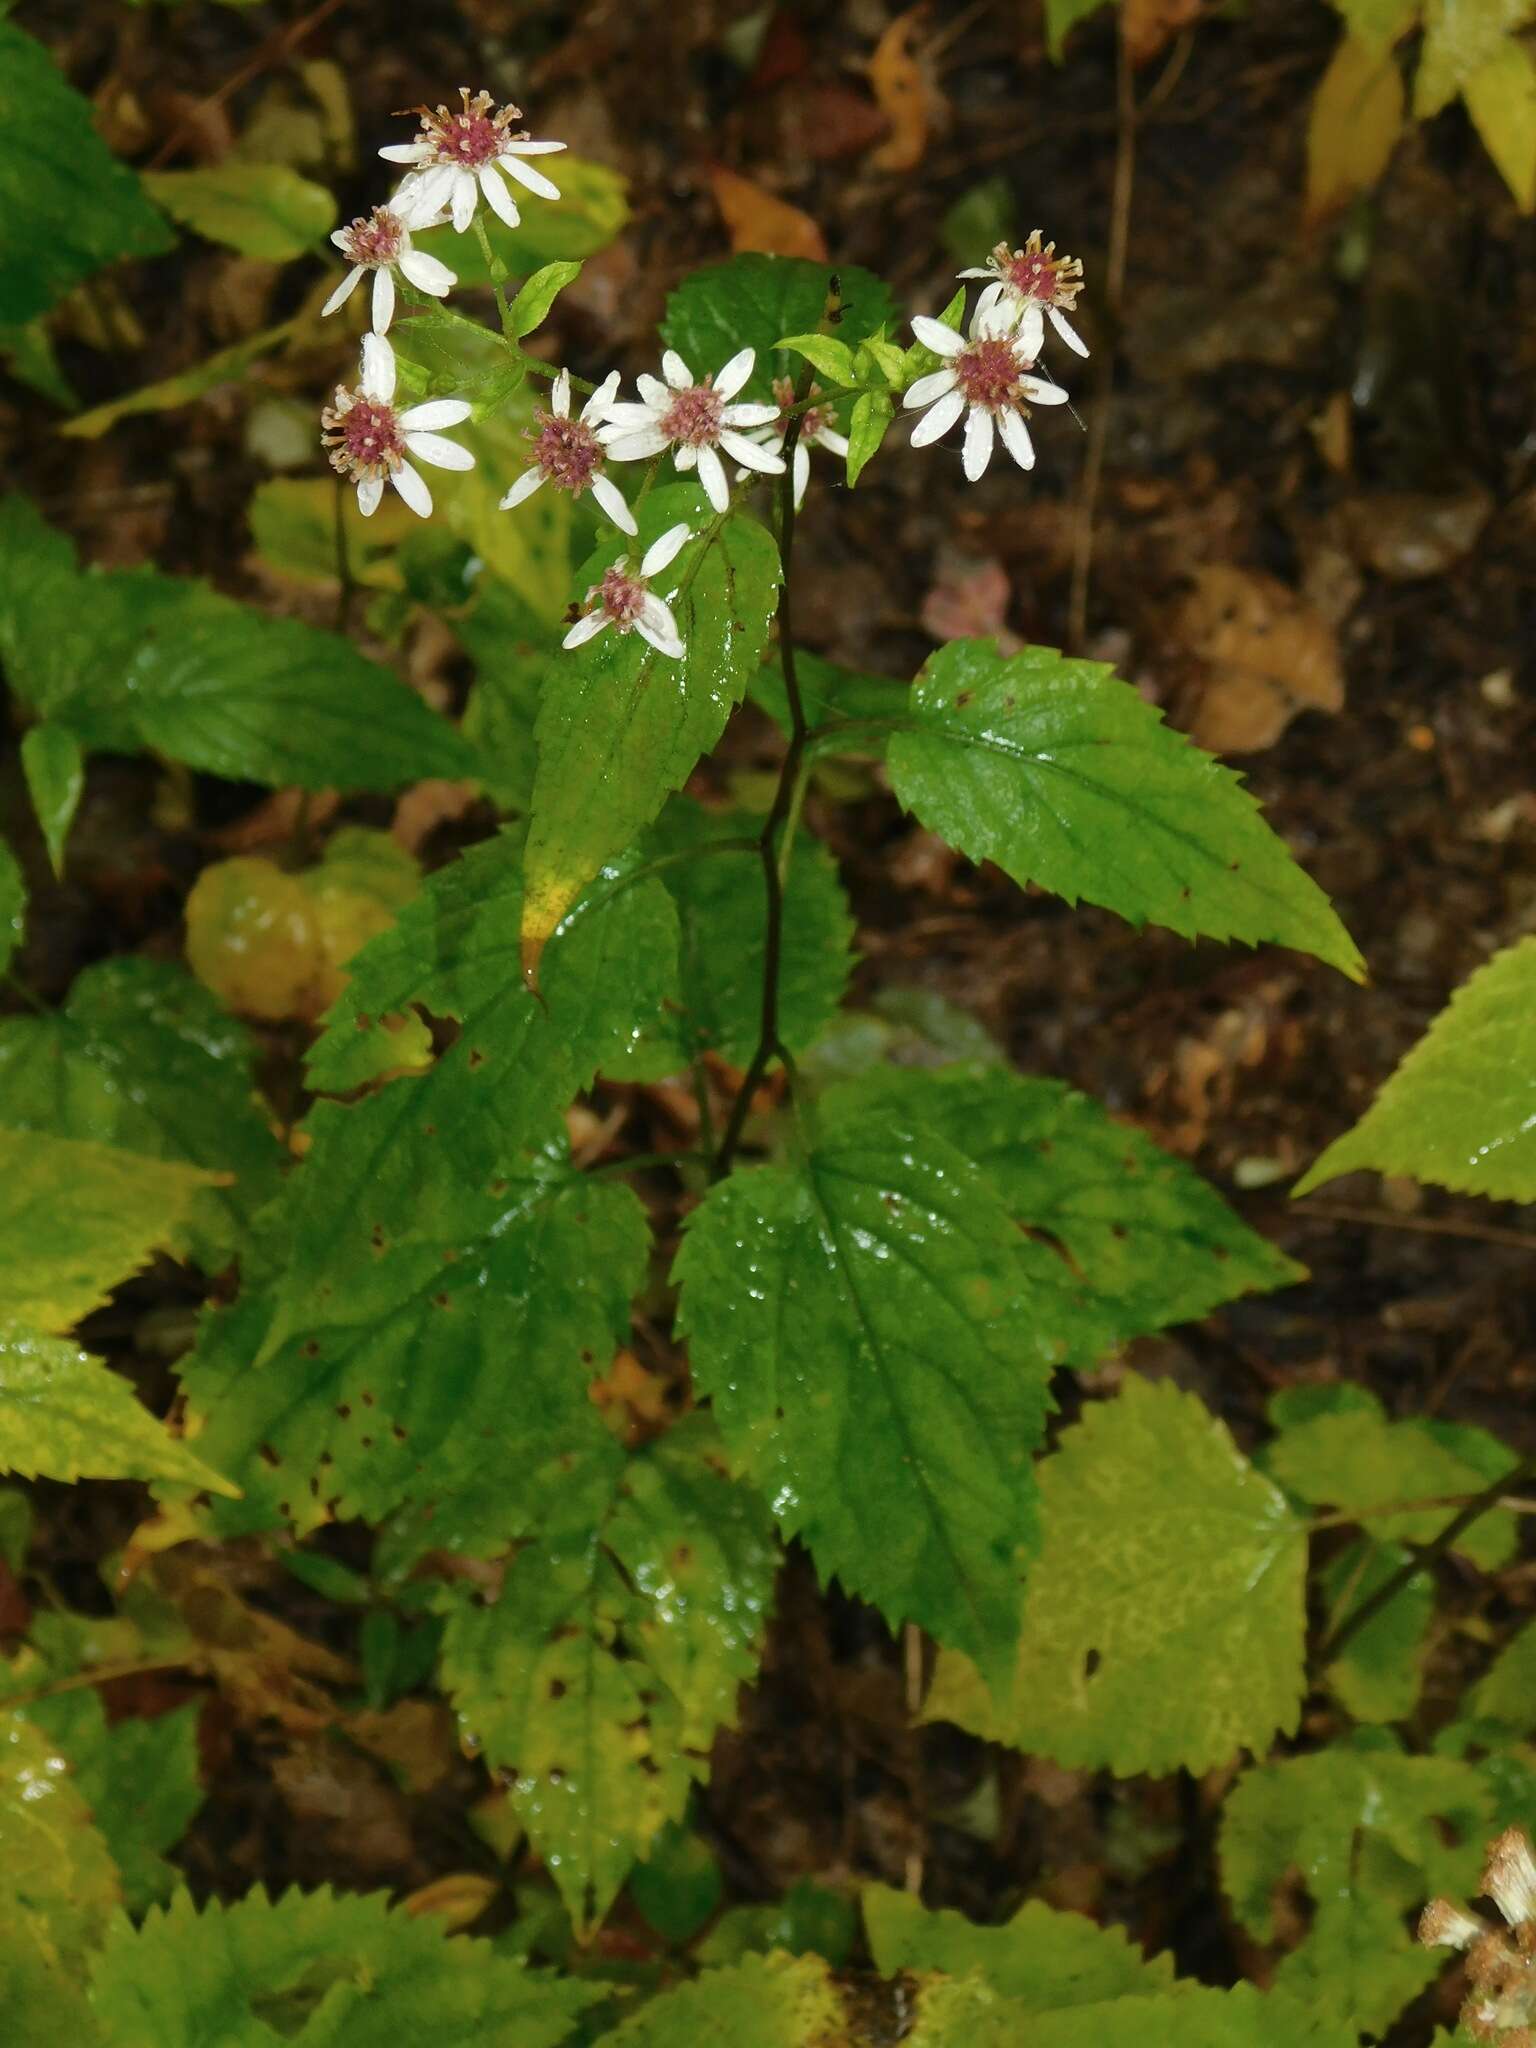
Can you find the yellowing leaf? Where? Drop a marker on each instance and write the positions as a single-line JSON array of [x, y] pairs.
[[263, 210], [254, 939], [77, 1218], [1501, 98], [1357, 116], [1461, 37]]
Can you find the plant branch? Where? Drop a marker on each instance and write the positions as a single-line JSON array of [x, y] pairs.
[[1335, 1639]]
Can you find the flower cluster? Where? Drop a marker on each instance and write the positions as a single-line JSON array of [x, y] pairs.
[[987, 373], [1501, 1961]]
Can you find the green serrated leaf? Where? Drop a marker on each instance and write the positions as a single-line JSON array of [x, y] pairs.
[[875, 1297], [262, 210], [716, 1003], [1129, 1657], [77, 1218], [1461, 1108], [1041, 1959], [678, 1887], [142, 1057], [55, 773], [823, 352], [1068, 778], [872, 415], [750, 301], [70, 205], [612, 1653], [65, 1415], [828, 691], [1373, 1834], [1147, 1242], [58, 1885], [591, 212], [621, 726], [776, 2001], [1357, 1461], [970, 2015], [1506, 1694], [321, 1970], [1378, 1674], [13, 906], [530, 309], [131, 659]]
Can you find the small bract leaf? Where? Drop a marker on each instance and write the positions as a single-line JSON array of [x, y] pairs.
[[72, 207], [55, 772], [530, 309], [621, 725], [65, 1415], [1131, 1654], [57, 1877], [1068, 778], [872, 415], [877, 1293], [263, 210], [1461, 1109]]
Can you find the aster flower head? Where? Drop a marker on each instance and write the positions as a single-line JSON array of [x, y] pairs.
[[459, 158], [624, 600], [816, 431], [567, 453], [370, 442], [986, 376], [1501, 1961], [698, 422], [1034, 277], [382, 244]]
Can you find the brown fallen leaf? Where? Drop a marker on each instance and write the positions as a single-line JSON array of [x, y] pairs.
[[1406, 535], [969, 600], [757, 219], [1258, 655], [903, 93], [459, 1899], [1149, 26], [425, 806]]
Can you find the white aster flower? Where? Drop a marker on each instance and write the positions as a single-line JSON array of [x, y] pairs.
[[568, 454], [1034, 277], [986, 376], [369, 441], [382, 244], [625, 601], [816, 431], [458, 158], [697, 421]]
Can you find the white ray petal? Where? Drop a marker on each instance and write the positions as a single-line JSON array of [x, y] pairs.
[[677, 373], [928, 388], [369, 491], [497, 197], [712, 476], [441, 453], [378, 380], [802, 472], [383, 300], [736, 372], [657, 625], [938, 419], [465, 191], [1016, 438], [635, 447], [560, 396], [935, 335], [665, 549], [749, 414], [413, 489], [434, 413], [525, 174], [685, 458], [597, 406], [611, 498], [343, 291], [1040, 393], [406, 152], [978, 443], [427, 274], [752, 454], [525, 487], [1067, 331], [585, 628], [832, 441], [527, 148]]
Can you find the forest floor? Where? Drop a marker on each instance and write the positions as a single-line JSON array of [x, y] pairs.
[[1314, 544]]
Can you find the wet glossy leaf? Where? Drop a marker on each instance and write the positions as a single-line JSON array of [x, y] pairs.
[[1378, 1674], [1042, 1959], [1129, 1656], [1373, 1834], [13, 907], [70, 205], [253, 940], [530, 309], [1356, 118], [130, 659], [1146, 1241], [1359, 1462], [868, 1313], [65, 1415], [621, 725], [1461, 1109], [872, 415], [613, 1651], [591, 212], [511, 648], [58, 1883], [754, 300], [321, 1970], [77, 1218], [141, 1058], [1068, 778], [716, 1002], [776, 2001], [262, 210], [828, 691], [55, 772]]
